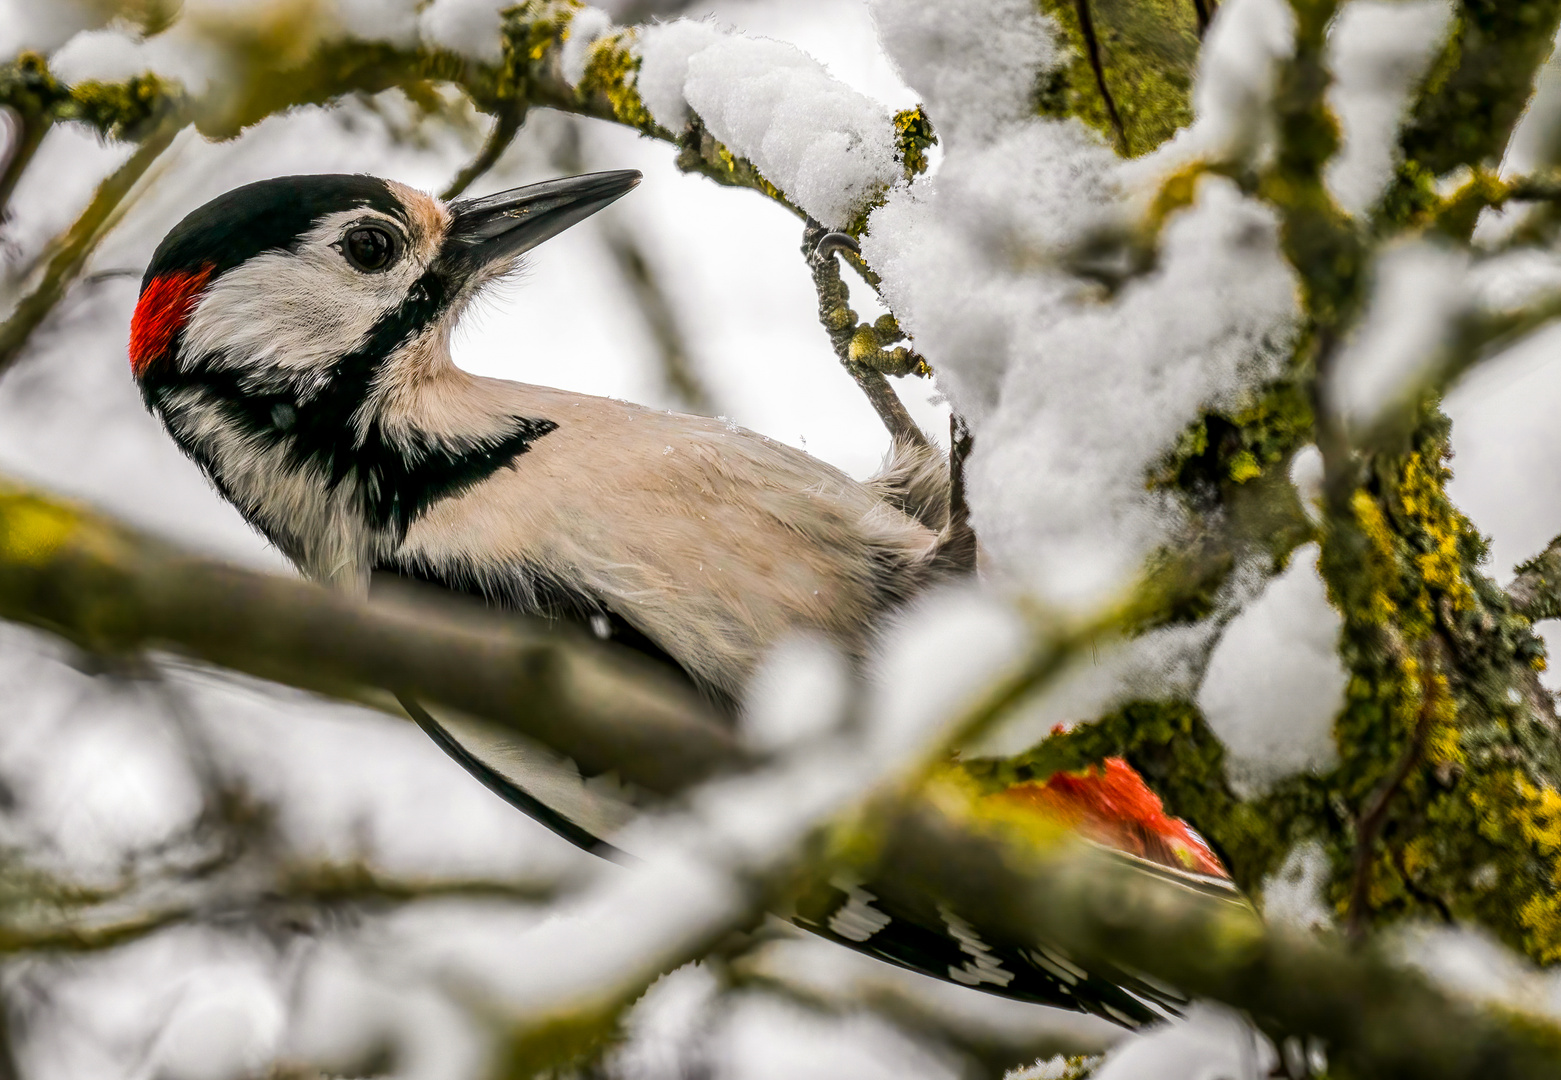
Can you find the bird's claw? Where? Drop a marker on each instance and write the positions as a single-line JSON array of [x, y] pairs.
[[832, 242]]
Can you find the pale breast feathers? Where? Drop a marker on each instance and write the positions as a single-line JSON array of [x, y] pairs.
[[710, 539]]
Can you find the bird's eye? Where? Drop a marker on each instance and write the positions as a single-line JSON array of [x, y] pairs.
[[370, 248]]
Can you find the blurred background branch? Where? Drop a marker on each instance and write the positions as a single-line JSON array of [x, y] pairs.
[[72, 250], [109, 590]]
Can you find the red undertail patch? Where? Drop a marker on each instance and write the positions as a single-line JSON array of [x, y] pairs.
[[165, 305], [1112, 805]]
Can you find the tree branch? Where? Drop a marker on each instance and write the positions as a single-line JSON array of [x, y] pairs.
[[28, 130], [80, 240], [1377, 1019], [111, 590], [856, 345], [1097, 67], [1374, 815], [655, 306], [1203, 9], [960, 547], [677, 367], [320, 886]]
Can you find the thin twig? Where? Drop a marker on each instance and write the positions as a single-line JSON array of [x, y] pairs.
[[319, 886], [655, 306], [1201, 8], [637, 11], [834, 311], [505, 128], [1368, 826], [1092, 49], [29, 133], [1536, 591], [77, 244], [958, 548], [661, 319]]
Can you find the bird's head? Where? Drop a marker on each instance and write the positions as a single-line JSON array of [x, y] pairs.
[[293, 337], [296, 281]]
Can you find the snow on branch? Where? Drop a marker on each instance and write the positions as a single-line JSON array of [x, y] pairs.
[[829, 148]]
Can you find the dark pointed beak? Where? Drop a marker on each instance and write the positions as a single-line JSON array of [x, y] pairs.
[[513, 222]]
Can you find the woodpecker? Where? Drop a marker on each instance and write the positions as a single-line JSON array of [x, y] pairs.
[[293, 336]]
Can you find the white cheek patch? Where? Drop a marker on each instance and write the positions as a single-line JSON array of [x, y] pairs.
[[297, 312]]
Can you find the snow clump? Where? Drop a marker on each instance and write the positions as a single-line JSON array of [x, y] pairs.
[[469, 27], [1293, 895], [973, 101], [1210, 1043], [1073, 392], [1275, 682], [192, 50], [588, 27], [828, 147], [1420, 295], [1238, 72], [1378, 53]]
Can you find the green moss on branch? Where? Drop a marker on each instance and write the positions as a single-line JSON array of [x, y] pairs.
[[1479, 85]]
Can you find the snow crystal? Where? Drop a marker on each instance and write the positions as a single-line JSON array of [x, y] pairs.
[[828, 147], [1419, 295], [1053, 1068], [976, 73], [588, 27], [469, 27], [1378, 51], [1293, 894], [1211, 1043], [1275, 683]]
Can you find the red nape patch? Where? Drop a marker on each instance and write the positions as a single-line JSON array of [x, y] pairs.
[[165, 305], [1112, 805]]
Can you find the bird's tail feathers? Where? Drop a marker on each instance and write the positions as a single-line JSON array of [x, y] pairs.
[[914, 479]]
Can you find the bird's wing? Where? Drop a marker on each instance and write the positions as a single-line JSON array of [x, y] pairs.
[[711, 541], [929, 938]]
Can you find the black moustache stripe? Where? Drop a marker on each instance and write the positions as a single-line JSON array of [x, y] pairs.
[[397, 474]]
